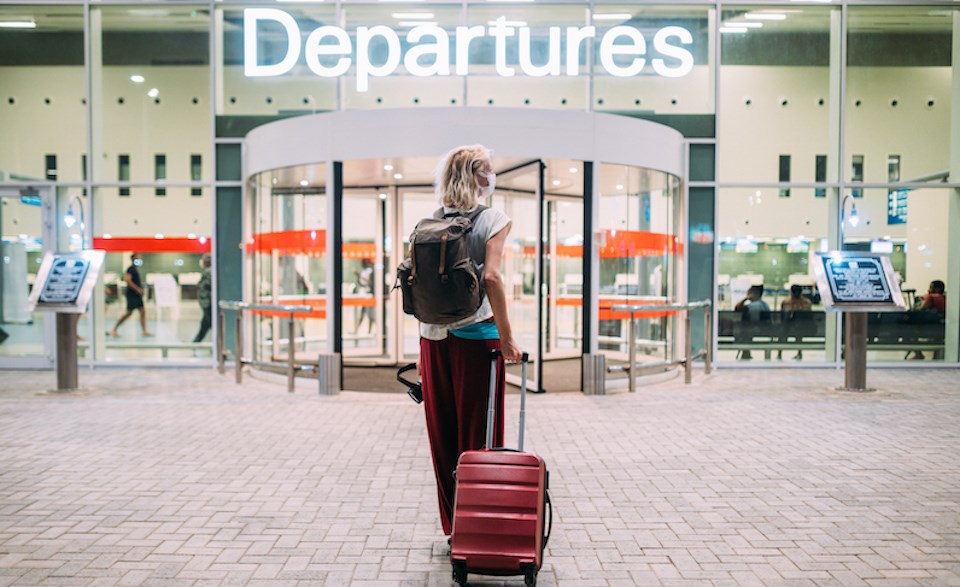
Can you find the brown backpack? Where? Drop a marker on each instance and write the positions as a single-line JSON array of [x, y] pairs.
[[440, 282]]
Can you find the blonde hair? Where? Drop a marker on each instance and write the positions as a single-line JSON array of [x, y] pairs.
[[456, 176]]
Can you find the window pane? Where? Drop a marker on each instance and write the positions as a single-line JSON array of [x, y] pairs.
[[155, 83], [899, 71], [775, 90], [171, 245], [298, 92], [766, 243], [487, 86], [917, 239], [42, 92], [682, 96]]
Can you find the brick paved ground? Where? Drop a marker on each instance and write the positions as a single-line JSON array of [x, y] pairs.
[[180, 478]]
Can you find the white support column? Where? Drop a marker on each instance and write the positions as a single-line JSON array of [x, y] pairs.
[[96, 163], [835, 160], [953, 208]]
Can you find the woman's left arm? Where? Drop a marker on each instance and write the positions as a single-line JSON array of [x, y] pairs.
[[496, 292]]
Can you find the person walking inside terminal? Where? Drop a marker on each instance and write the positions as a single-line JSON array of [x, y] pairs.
[[205, 298], [455, 358], [134, 295]]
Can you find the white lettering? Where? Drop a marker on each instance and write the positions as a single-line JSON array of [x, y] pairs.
[[251, 65], [608, 49], [464, 36], [663, 47], [440, 50], [575, 37], [365, 68], [552, 67], [623, 49], [500, 31], [313, 49]]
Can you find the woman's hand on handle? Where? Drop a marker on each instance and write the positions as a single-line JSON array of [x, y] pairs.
[[511, 350]]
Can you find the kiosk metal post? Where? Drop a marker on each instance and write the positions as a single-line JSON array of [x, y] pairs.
[[856, 283], [64, 285]]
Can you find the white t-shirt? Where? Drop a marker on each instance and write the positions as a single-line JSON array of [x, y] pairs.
[[489, 223]]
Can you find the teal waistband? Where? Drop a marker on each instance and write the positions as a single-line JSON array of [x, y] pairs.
[[478, 331]]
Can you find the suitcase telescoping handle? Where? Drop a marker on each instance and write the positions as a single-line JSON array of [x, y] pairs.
[[492, 402]]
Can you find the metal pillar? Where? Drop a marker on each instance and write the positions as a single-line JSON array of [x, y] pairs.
[[855, 375], [67, 378]]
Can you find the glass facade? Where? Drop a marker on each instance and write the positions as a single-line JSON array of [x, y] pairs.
[[137, 112]]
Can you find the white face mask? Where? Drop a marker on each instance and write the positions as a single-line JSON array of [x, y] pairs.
[[487, 190]]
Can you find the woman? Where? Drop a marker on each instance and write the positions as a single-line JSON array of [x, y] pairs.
[[455, 358]]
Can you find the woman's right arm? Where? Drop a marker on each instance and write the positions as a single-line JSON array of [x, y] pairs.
[[496, 292]]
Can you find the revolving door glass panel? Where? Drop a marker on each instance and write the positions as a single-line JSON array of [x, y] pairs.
[[287, 253], [639, 257]]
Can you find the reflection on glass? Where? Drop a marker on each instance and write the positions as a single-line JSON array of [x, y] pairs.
[[775, 66], [138, 93], [639, 254], [899, 93], [149, 248], [856, 174], [768, 305], [21, 250], [289, 265]]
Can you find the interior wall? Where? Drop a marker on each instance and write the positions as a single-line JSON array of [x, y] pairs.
[[177, 126]]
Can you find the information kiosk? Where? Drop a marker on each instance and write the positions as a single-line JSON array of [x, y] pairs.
[[64, 285], [856, 283]]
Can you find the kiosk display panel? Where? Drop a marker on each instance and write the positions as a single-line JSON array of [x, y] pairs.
[[65, 282], [852, 281]]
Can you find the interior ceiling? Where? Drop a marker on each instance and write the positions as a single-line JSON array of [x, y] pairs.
[[181, 18], [561, 176]]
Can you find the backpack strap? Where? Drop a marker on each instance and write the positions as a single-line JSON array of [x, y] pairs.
[[443, 256], [472, 215], [413, 261]]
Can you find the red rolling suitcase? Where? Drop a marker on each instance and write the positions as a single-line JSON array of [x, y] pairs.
[[502, 512]]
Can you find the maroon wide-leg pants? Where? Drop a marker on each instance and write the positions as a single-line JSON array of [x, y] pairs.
[[456, 384]]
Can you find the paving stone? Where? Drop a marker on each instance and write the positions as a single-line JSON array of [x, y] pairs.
[[752, 477]]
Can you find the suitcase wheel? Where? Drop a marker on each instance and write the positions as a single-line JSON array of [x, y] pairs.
[[460, 572], [530, 576]]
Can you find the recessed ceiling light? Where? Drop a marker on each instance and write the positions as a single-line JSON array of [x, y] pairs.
[[137, 79], [18, 24], [765, 16], [619, 186], [388, 167], [412, 15], [556, 182], [574, 170], [612, 16], [304, 182], [397, 176], [513, 23], [153, 93]]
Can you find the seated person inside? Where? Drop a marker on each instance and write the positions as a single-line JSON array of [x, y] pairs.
[[797, 302], [754, 310], [934, 301]]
